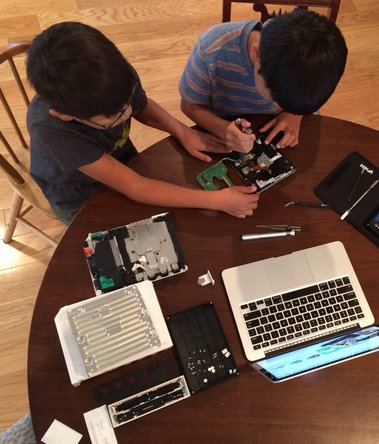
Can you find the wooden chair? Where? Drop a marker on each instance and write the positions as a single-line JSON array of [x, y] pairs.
[[331, 6], [14, 163]]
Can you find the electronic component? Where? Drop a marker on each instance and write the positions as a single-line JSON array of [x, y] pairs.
[[142, 250], [205, 359], [205, 279], [218, 171], [264, 166], [373, 223], [202, 347], [148, 401], [133, 381], [137, 393], [110, 330]]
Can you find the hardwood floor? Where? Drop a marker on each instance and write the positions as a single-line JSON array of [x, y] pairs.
[[156, 37]]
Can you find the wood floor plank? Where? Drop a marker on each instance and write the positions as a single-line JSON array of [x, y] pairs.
[[19, 282], [19, 8], [16, 310], [14, 398], [27, 248], [14, 343], [21, 27]]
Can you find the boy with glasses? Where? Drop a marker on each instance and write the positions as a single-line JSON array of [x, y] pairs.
[[79, 124]]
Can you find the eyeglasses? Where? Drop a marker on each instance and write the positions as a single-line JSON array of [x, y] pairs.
[[120, 113]]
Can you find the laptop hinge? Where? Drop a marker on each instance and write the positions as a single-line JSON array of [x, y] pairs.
[[313, 340]]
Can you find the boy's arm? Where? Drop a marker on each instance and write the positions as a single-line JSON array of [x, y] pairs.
[[237, 141], [227, 131], [236, 201], [193, 141]]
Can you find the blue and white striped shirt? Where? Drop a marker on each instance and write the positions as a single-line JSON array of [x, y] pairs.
[[219, 73]]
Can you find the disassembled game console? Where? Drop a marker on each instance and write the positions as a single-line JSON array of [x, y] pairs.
[[264, 166], [124, 323], [142, 250], [104, 332], [203, 358], [148, 401]]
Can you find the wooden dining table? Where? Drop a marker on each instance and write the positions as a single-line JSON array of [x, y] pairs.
[[338, 404]]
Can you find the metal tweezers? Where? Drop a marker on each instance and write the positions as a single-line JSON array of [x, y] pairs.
[[308, 204], [280, 227]]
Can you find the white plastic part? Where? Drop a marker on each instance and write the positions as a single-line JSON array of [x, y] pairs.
[[93, 344]]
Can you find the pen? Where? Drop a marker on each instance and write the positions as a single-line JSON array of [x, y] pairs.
[[285, 233], [357, 201]]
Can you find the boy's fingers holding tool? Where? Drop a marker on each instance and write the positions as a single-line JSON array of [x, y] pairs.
[[241, 137]]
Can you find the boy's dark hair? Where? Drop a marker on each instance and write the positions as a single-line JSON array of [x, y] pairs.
[[302, 57], [78, 71]]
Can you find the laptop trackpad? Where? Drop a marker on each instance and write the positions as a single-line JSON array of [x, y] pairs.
[[285, 273]]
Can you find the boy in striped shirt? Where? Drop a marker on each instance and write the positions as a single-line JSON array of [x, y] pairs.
[[287, 67]]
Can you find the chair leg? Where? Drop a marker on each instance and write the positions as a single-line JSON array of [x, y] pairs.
[[31, 227], [16, 215], [11, 223], [226, 10]]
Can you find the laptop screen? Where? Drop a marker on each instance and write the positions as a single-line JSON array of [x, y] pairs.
[[321, 354]]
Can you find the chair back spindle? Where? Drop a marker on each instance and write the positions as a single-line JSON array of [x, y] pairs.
[[331, 6], [15, 162]]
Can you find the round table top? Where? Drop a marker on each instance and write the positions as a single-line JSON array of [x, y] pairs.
[[338, 404]]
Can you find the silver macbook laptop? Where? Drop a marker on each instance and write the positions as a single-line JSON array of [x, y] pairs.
[[288, 303]]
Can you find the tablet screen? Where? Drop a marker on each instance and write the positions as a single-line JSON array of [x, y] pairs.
[[321, 354]]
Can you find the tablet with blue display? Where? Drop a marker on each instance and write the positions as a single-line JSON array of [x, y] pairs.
[[322, 354]]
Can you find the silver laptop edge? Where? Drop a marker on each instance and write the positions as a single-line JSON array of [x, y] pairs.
[[250, 282]]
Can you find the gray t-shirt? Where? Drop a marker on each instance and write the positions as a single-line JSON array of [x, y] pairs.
[[59, 148]]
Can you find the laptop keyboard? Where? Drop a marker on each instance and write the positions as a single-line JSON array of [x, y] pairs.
[[301, 312]]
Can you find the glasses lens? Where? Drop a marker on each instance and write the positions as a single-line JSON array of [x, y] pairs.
[[121, 112], [126, 106]]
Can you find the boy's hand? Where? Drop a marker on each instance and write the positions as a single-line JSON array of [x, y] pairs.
[[236, 139], [286, 122], [238, 201], [195, 142]]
